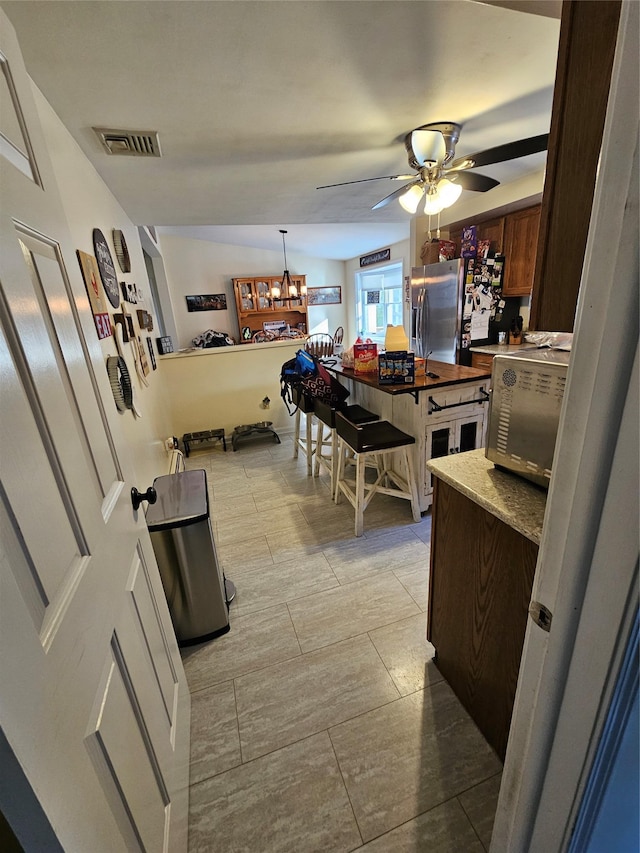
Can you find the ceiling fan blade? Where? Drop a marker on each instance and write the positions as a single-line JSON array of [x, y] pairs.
[[364, 180], [473, 181], [385, 201], [509, 151]]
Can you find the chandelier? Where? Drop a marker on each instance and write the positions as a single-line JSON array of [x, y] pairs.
[[287, 289]]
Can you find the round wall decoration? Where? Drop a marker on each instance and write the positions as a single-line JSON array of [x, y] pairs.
[[122, 253], [106, 267]]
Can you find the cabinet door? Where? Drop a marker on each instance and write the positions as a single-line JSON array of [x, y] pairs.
[[493, 230], [245, 294], [521, 242], [262, 294], [453, 436]]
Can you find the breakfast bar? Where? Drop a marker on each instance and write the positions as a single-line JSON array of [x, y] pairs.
[[445, 412]]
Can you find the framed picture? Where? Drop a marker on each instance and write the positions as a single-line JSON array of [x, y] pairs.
[[207, 302], [324, 295]]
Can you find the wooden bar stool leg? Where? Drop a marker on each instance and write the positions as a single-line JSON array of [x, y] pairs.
[[334, 463], [319, 445], [411, 480], [310, 449], [359, 507], [296, 435]]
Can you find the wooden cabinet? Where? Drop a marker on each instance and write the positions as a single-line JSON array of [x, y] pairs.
[[256, 306], [520, 246], [481, 361], [479, 592], [515, 235]]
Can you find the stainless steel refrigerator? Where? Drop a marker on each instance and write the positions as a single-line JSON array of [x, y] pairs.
[[458, 304], [436, 310]]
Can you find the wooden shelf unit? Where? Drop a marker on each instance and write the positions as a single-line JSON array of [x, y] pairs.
[[256, 306]]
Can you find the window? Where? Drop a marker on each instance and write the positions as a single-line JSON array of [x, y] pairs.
[[378, 301]]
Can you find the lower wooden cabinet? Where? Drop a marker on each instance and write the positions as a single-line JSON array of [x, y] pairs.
[[481, 361], [479, 592]]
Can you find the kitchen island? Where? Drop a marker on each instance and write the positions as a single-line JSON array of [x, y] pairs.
[[485, 534], [446, 414]]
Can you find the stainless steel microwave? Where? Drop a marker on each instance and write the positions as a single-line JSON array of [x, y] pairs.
[[527, 389]]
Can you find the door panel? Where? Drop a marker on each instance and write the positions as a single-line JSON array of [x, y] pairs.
[[94, 703]]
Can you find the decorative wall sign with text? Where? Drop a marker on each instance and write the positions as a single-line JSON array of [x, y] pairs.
[[106, 267], [375, 257], [99, 307]]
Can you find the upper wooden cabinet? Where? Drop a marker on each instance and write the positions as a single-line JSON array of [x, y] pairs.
[[256, 306], [520, 246], [515, 235]]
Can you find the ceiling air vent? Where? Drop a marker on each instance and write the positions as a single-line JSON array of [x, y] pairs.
[[133, 143]]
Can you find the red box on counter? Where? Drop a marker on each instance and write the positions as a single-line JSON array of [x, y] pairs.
[[365, 358]]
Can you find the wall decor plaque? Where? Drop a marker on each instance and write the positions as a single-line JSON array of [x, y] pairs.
[[106, 267], [99, 307]]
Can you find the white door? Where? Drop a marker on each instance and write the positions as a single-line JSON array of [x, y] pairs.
[[94, 705], [587, 572]]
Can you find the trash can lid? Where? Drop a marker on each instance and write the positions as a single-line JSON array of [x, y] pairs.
[[182, 500]]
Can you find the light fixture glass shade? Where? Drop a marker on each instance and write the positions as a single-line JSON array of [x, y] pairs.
[[410, 200], [433, 203], [303, 290], [448, 192], [428, 146], [293, 291], [275, 291]]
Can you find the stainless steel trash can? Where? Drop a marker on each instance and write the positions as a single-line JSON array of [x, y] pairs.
[[182, 538]]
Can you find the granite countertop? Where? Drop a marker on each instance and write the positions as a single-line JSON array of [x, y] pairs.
[[511, 498], [501, 349]]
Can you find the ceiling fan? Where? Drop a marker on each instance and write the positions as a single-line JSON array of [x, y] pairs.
[[440, 179]]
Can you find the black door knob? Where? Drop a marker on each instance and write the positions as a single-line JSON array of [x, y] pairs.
[[137, 497]]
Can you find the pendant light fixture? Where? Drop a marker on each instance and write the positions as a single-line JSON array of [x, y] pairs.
[[288, 290]]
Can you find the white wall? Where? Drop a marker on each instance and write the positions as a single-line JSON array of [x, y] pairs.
[[89, 204], [399, 252], [197, 266]]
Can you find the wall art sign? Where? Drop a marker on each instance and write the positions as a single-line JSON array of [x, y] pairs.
[[106, 267], [99, 307], [324, 295], [375, 257], [207, 302]]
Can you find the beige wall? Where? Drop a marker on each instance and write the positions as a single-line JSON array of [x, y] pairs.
[[89, 204], [224, 388], [198, 266]]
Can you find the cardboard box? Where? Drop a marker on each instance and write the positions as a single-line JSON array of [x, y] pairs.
[[365, 358], [396, 368]]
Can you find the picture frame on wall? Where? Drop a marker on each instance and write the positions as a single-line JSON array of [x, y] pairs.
[[324, 295], [207, 302]]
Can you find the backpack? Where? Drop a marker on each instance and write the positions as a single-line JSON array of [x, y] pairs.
[[306, 375]]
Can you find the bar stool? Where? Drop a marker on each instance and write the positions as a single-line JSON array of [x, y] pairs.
[[326, 435], [305, 443], [379, 441]]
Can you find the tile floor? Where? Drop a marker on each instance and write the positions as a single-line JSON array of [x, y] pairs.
[[320, 722]]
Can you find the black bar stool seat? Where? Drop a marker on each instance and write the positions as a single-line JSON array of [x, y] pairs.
[[390, 448], [327, 440]]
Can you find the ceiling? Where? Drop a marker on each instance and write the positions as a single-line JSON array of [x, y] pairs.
[[258, 102]]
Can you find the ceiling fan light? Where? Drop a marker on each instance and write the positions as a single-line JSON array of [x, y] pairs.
[[410, 200], [448, 192], [428, 146], [433, 203]]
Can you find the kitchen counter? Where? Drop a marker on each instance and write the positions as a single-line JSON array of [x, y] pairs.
[[501, 349], [512, 499], [448, 374], [485, 533]]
